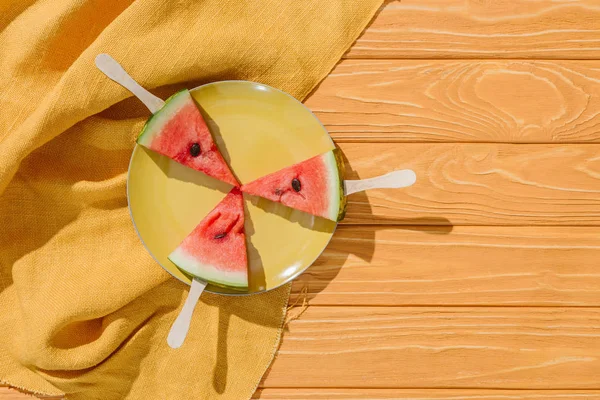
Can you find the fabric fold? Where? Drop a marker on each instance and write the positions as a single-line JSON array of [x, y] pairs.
[[85, 309]]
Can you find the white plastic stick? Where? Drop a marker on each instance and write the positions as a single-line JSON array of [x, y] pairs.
[[114, 71], [392, 180], [180, 327]]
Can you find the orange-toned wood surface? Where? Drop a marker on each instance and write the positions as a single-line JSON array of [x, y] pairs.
[[423, 394], [482, 281], [478, 184], [504, 101], [542, 29], [434, 347]]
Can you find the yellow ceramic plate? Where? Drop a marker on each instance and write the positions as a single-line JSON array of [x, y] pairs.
[[259, 130]]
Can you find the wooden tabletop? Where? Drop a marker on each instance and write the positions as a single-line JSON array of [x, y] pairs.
[[482, 281]]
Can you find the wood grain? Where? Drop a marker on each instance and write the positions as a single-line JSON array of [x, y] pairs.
[[443, 347], [424, 394], [560, 29], [468, 265], [477, 184], [461, 101]]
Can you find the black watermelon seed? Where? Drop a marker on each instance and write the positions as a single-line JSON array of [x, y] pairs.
[[195, 150], [221, 235], [296, 185]]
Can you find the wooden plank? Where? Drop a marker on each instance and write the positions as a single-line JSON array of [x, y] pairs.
[[461, 101], [561, 29], [7, 393], [12, 394], [443, 347], [467, 265], [423, 394], [478, 184]]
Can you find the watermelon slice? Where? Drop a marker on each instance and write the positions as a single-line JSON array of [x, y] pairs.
[[313, 186], [179, 132], [215, 251]]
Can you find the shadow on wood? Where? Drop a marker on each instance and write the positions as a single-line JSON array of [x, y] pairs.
[[303, 291]]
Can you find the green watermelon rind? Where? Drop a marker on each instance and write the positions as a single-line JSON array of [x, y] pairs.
[[159, 119], [338, 210], [207, 272]]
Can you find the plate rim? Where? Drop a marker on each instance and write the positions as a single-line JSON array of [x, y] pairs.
[[240, 294]]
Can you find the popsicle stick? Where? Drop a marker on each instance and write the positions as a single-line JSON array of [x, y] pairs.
[[393, 180], [180, 327], [114, 71]]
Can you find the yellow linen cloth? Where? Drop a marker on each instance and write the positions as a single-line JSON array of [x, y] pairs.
[[84, 310]]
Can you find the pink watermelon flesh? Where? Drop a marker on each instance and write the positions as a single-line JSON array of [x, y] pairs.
[[179, 132], [215, 251], [317, 189]]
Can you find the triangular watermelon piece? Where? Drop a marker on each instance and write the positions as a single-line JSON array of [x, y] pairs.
[[313, 186], [215, 251], [179, 132]]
